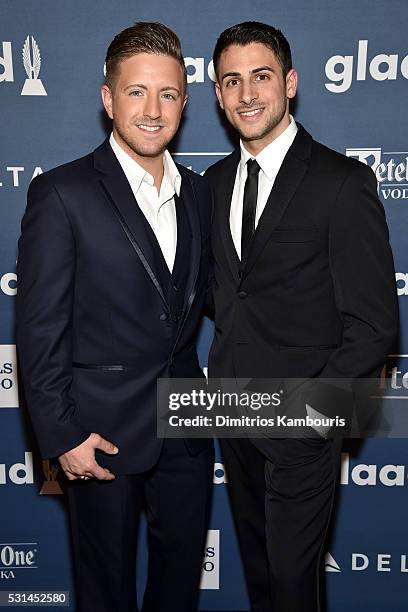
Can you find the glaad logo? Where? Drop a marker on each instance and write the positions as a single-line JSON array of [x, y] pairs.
[[18, 473], [33, 85], [51, 485], [391, 171], [196, 70], [382, 67], [402, 283], [16, 556], [8, 283], [220, 476], [370, 474], [210, 576], [8, 376]]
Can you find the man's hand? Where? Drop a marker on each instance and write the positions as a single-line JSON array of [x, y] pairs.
[[79, 462]]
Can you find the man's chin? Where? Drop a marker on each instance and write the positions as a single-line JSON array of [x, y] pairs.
[[249, 136], [149, 151]]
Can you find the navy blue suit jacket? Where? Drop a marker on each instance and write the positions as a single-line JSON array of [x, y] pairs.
[[94, 327]]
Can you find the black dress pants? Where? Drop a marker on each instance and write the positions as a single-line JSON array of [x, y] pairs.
[[282, 494], [105, 519]]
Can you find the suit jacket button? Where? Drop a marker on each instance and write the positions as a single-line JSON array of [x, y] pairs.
[[164, 316], [242, 295]]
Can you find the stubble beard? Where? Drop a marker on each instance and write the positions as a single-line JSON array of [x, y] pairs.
[[154, 149], [273, 122]]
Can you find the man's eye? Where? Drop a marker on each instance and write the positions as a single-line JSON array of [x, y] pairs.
[[232, 83], [135, 92], [169, 96], [262, 77]]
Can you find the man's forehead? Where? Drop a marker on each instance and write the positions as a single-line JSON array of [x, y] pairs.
[[248, 56]]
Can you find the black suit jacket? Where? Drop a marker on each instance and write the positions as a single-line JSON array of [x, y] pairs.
[[317, 295], [96, 325]]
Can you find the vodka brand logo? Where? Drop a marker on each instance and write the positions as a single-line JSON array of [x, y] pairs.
[[210, 575], [31, 57], [16, 556], [390, 169], [8, 376], [342, 69], [394, 376]]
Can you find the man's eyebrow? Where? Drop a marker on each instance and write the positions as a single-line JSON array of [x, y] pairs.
[[170, 88], [230, 74], [141, 86], [254, 71], [261, 69]]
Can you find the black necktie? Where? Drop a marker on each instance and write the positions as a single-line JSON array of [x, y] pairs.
[[249, 207]]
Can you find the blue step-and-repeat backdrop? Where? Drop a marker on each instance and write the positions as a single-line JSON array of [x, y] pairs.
[[352, 59]]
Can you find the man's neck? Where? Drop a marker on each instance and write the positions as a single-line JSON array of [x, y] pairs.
[[254, 147]]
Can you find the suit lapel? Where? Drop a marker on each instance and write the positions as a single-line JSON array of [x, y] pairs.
[[223, 194], [289, 177], [190, 204], [188, 197], [120, 195]]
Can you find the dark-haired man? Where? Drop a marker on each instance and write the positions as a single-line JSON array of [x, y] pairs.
[[91, 349], [304, 288]]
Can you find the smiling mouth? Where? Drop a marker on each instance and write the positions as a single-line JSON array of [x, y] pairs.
[[150, 128], [250, 114]]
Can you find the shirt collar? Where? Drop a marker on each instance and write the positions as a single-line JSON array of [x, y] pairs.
[[271, 157], [136, 175]]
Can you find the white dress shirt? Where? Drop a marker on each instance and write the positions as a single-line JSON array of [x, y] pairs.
[[270, 160], [159, 208]]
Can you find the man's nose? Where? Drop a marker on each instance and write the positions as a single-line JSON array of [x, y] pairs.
[[249, 92], [152, 107]]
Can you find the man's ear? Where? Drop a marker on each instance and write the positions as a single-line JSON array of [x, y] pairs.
[[218, 93], [107, 100], [185, 101], [291, 83]]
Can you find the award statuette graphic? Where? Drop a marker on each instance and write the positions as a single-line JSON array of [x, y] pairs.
[[32, 63], [51, 485]]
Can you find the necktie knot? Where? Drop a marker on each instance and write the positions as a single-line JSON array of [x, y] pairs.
[[253, 167]]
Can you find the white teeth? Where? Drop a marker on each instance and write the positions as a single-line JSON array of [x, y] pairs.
[[150, 128], [251, 113]]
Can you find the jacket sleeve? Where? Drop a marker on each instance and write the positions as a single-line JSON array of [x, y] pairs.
[[46, 274], [363, 277]]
